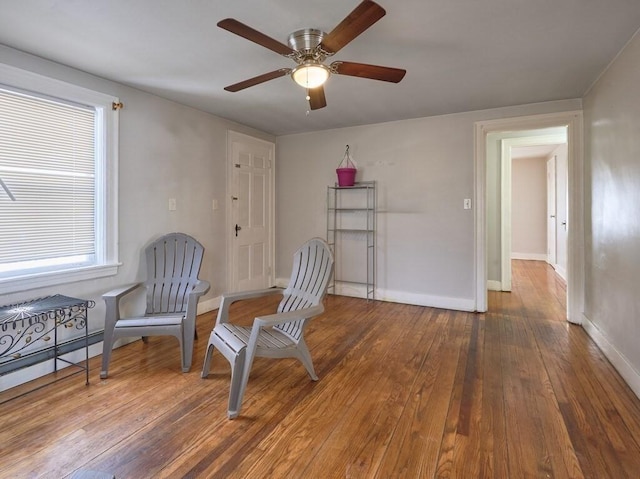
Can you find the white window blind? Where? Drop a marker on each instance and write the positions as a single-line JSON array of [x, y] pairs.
[[47, 163]]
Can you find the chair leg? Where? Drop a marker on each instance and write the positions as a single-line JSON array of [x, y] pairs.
[[235, 390], [187, 351], [207, 360], [305, 358], [235, 352], [250, 352], [107, 346]]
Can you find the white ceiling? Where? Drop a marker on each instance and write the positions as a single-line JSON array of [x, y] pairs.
[[460, 55], [537, 151]]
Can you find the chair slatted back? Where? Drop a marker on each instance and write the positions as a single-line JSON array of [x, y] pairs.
[[312, 269], [173, 264]]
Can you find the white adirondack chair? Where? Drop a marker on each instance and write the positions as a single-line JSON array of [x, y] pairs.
[[279, 335], [173, 291]]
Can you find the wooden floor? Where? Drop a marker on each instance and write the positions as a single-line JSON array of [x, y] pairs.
[[404, 392]]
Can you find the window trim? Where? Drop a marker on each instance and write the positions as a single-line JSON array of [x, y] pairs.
[[106, 179]]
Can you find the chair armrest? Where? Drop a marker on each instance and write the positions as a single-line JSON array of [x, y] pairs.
[[199, 289], [289, 316], [229, 298], [118, 293], [112, 302]]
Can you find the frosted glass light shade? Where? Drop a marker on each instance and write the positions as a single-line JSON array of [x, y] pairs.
[[310, 75]]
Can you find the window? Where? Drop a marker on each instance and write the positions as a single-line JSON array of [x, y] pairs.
[[57, 182]]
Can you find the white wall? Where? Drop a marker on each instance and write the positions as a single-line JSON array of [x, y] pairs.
[[424, 169], [529, 208], [612, 157], [166, 151]]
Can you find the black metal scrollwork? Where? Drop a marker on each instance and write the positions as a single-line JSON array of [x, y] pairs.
[[25, 326]]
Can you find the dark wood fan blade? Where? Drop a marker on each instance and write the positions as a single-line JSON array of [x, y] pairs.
[[234, 26], [257, 80], [375, 72], [364, 15], [317, 99]]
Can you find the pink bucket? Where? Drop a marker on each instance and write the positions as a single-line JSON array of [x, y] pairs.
[[346, 176]]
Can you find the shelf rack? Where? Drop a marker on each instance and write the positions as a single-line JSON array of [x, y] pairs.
[[351, 211]]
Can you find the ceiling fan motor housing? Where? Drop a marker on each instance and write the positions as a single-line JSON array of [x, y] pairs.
[[305, 42]]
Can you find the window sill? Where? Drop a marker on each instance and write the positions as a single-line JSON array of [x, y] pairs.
[[42, 280]]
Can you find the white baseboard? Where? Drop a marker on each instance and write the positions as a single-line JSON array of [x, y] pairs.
[[561, 272], [359, 291], [530, 256], [617, 359], [494, 285], [209, 305], [444, 302]]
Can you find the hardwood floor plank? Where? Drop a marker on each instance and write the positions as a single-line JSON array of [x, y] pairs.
[[456, 428], [354, 446], [423, 421], [605, 432], [404, 391], [233, 465], [321, 413], [548, 434], [492, 430], [526, 452]]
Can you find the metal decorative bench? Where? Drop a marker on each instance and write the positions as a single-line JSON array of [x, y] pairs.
[[30, 332]]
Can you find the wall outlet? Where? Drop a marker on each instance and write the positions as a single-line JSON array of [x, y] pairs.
[[172, 204], [467, 203]]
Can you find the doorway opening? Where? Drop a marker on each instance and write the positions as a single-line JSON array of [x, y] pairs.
[[533, 205], [488, 214]]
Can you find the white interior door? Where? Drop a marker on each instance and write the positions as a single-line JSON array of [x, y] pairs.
[[562, 211], [552, 220], [251, 167]]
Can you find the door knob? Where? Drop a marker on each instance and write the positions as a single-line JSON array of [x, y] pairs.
[[238, 228]]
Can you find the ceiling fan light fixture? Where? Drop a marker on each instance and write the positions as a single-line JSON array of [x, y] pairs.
[[310, 75]]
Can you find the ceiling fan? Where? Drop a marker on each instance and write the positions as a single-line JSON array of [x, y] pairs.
[[310, 47]]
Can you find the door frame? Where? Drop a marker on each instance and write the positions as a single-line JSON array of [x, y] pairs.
[[506, 197], [575, 240], [235, 136]]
